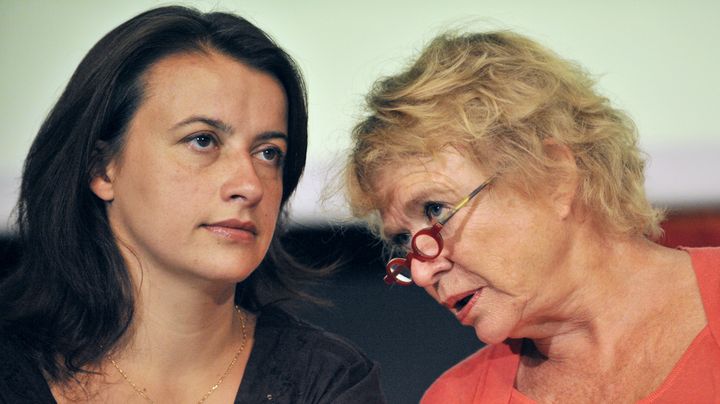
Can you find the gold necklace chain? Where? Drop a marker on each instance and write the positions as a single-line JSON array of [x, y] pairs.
[[142, 391]]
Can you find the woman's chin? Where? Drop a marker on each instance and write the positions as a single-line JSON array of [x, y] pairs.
[[489, 340], [490, 335]]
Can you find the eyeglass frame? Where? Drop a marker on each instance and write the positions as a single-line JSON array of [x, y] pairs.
[[394, 276]]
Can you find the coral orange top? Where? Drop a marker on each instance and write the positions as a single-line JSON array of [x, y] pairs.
[[488, 376]]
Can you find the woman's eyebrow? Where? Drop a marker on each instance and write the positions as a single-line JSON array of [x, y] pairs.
[[215, 123], [419, 198], [272, 135], [411, 208]]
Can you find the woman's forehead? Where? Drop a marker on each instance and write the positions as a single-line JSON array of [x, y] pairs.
[[405, 187], [394, 182]]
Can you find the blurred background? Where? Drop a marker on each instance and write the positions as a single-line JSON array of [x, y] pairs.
[[655, 59]]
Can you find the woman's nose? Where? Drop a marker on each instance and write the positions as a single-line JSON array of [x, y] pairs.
[[427, 273], [242, 182]]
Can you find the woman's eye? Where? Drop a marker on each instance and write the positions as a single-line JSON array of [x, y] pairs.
[[202, 142], [400, 243], [433, 210], [271, 154]]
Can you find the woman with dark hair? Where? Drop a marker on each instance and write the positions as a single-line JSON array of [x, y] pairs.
[[149, 215]]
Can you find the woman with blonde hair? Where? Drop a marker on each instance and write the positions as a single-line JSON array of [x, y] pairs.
[[510, 190]]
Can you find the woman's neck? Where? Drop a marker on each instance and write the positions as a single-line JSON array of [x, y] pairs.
[[181, 322], [614, 290], [186, 336], [173, 356], [640, 309]]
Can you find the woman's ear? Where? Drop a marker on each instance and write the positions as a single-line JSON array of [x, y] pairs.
[[103, 172], [102, 185], [564, 185]]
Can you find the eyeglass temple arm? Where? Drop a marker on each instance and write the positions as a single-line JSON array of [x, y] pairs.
[[465, 200]]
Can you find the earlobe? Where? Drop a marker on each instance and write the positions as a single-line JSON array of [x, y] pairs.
[[102, 184]]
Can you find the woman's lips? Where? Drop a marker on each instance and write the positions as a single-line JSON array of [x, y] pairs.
[[469, 301], [234, 230], [462, 302]]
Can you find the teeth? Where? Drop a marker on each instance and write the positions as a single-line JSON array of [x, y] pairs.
[[462, 302]]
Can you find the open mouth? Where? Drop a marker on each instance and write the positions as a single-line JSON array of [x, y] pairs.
[[463, 302]]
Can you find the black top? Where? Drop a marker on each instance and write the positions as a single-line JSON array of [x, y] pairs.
[[291, 362]]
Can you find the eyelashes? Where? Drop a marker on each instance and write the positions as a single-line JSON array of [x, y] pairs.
[[207, 142], [400, 240], [271, 154], [203, 142], [398, 245], [433, 210]]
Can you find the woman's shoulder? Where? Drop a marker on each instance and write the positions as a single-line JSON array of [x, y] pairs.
[[461, 377], [295, 361], [290, 329], [706, 265], [463, 381], [704, 256]]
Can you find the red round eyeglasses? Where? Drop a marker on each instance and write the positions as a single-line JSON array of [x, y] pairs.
[[426, 244]]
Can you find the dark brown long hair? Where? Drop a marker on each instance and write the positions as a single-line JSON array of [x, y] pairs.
[[71, 299]]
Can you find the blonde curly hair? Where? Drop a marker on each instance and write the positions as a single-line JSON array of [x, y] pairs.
[[500, 98]]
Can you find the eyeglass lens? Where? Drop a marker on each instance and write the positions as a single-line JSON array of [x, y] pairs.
[[426, 245], [400, 269]]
